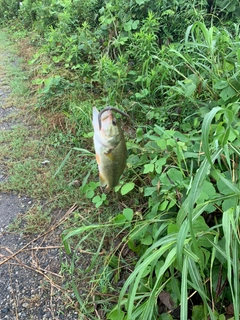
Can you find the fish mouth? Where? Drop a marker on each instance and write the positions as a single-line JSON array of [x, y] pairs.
[[109, 108]]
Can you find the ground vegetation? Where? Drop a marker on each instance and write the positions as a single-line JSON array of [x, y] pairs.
[[165, 242]]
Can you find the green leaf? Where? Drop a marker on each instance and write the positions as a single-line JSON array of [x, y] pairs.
[[131, 25], [90, 194], [128, 25], [78, 231], [228, 204], [207, 192], [120, 218], [67, 246], [135, 24], [159, 164], [227, 93], [128, 213], [126, 188], [175, 176], [139, 134], [172, 228], [182, 137], [144, 93], [148, 191], [221, 84], [198, 312], [190, 89], [165, 316], [206, 129], [141, 1], [148, 168], [162, 143], [184, 293], [221, 185], [116, 315], [98, 204], [96, 199], [163, 205], [147, 239]]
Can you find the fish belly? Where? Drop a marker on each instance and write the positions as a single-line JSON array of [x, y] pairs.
[[111, 164]]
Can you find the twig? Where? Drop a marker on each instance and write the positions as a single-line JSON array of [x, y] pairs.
[[44, 248], [95, 308], [33, 248], [36, 269]]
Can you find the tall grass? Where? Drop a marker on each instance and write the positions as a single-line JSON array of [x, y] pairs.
[[179, 209]]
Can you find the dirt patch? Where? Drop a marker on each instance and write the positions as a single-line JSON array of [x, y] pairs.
[[31, 284], [4, 115], [10, 206]]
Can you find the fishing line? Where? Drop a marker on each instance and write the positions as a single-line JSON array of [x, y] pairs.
[[109, 109]]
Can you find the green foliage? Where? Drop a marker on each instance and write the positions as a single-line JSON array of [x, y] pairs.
[[230, 9], [52, 90], [86, 11], [9, 9], [188, 230], [178, 249], [176, 71], [129, 51], [41, 14]]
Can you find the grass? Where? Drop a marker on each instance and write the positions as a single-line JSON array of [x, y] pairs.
[[30, 163], [32, 152], [34, 149], [37, 220], [177, 216]]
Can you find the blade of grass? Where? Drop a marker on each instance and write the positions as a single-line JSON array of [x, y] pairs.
[[184, 292], [198, 284], [96, 256], [75, 290], [206, 130], [231, 248], [63, 163], [171, 257], [213, 256], [135, 277]]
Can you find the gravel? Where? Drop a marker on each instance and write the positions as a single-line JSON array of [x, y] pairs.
[[31, 284]]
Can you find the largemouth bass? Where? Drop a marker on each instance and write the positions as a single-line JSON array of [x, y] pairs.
[[110, 146]]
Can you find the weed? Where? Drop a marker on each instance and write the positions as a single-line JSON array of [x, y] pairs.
[[173, 224], [36, 220]]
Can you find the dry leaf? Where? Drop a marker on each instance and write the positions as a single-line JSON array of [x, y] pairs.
[[165, 298]]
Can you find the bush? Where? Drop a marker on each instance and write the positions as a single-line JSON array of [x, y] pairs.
[[176, 71], [9, 9]]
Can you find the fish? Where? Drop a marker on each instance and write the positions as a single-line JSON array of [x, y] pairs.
[[110, 146]]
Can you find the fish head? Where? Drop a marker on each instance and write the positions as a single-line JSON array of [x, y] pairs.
[[110, 126], [110, 131]]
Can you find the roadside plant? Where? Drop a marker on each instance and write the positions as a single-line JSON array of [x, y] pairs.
[[54, 88], [180, 253], [9, 9], [173, 221]]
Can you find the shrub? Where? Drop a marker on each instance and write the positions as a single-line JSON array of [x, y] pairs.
[[9, 9]]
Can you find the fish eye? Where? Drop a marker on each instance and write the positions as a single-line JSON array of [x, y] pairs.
[[114, 122]]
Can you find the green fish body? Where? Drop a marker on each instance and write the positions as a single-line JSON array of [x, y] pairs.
[[110, 148]]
